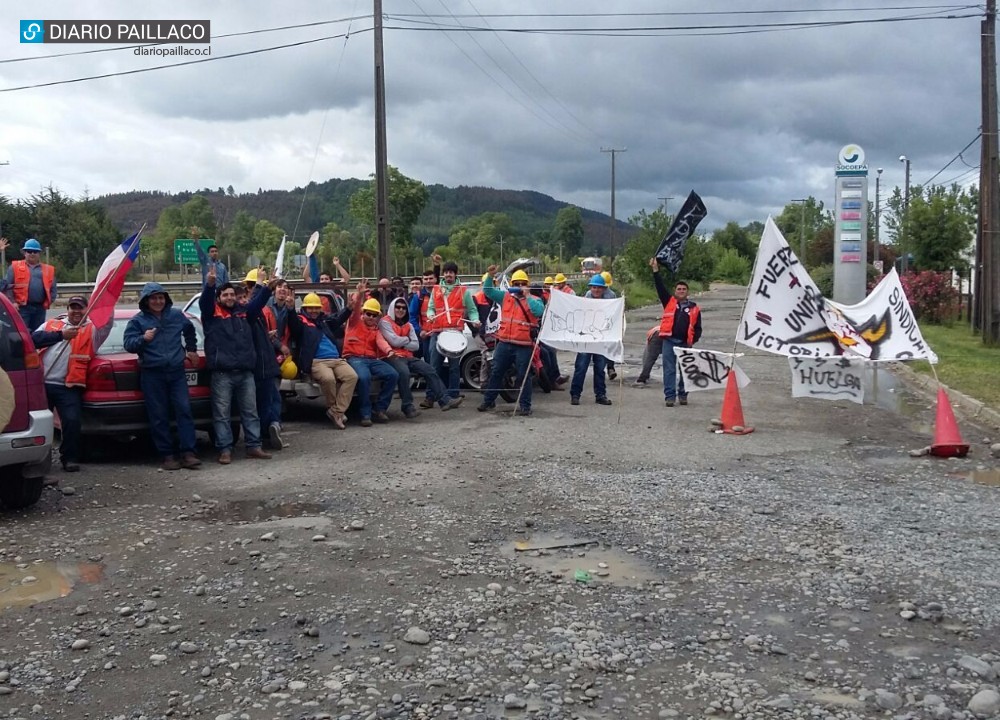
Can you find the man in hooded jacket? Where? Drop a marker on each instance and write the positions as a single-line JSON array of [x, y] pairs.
[[164, 339]]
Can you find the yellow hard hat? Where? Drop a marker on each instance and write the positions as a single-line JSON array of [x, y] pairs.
[[251, 276], [607, 277], [559, 278], [312, 301], [520, 276], [289, 370], [549, 280], [372, 305]]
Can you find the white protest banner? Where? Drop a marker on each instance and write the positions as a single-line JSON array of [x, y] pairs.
[[786, 314], [886, 321], [828, 378], [585, 325], [708, 369]]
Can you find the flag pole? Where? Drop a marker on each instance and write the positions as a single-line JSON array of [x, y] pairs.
[[90, 303], [621, 376], [534, 349]]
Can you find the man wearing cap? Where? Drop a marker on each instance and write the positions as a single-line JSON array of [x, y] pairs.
[[211, 260], [67, 346], [559, 283], [364, 346], [30, 283]]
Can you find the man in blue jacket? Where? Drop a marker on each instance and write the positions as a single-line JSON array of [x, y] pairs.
[[229, 350], [160, 334]]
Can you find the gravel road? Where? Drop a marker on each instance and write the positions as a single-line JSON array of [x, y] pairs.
[[809, 570]]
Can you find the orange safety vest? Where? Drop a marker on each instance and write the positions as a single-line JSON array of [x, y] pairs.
[[512, 329], [567, 289], [81, 350], [667, 322], [403, 331], [449, 312], [361, 340], [22, 276]]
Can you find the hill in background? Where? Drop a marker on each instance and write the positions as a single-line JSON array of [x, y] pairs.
[[532, 212]]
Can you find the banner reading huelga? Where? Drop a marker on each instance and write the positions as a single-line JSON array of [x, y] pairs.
[[671, 250]]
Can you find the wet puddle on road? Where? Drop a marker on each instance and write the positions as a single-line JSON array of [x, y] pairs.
[[258, 510], [984, 477], [27, 584], [587, 562]]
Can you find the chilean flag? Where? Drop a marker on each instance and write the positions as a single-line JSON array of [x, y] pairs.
[[109, 283]]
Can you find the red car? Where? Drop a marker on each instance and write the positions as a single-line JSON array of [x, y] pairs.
[[26, 441], [113, 403]]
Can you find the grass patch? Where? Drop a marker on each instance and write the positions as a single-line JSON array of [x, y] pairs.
[[964, 362]]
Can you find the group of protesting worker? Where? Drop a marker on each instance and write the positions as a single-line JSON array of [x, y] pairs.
[[391, 333]]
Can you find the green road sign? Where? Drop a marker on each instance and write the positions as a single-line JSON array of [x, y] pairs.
[[185, 252]]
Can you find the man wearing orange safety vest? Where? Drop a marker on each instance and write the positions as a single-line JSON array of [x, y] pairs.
[[559, 283], [520, 314], [448, 308], [67, 347], [364, 348], [30, 283], [679, 327]]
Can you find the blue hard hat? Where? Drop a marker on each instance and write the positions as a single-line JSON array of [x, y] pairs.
[[32, 244], [597, 281]]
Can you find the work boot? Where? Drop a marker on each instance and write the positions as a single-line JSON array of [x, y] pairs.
[[683, 400], [523, 412], [603, 400], [258, 454], [486, 407], [366, 422], [70, 466], [574, 400], [426, 403], [452, 403], [190, 460], [612, 373], [640, 382], [336, 418], [670, 403], [410, 412], [562, 380], [225, 457], [170, 463], [380, 416]]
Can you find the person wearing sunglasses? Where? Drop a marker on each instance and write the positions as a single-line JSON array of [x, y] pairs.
[[364, 348], [520, 315], [30, 283]]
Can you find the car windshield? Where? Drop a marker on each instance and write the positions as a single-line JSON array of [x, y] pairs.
[[116, 338]]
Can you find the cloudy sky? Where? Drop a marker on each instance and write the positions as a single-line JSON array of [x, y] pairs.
[[745, 108]]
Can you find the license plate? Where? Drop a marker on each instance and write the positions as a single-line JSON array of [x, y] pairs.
[[192, 377]]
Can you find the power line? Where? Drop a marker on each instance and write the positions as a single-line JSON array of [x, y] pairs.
[[788, 11], [928, 182], [178, 64]]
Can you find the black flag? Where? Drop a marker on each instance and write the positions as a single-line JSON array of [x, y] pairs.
[[671, 250]]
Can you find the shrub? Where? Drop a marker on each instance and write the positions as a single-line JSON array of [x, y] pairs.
[[732, 267], [932, 296], [823, 277]]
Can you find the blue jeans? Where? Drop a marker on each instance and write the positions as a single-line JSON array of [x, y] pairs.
[[505, 355], [453, 376], [673, 384], [366, 369], [405, 367], [583, 361], [68, 401], [268, 401], [227, 385], [33, 316], [164, 391]]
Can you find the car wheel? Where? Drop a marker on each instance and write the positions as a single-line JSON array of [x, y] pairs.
[[471, 365], [17, 492]]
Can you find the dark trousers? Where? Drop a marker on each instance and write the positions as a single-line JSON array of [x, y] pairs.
[[33, 316], [550, 361], [68, 402], [505, 355], [452, 375], [583, 361], [166, 391], [268, 402], [407, 368]]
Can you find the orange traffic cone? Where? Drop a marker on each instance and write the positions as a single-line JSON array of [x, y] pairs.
[[947, 439], [732, 409]]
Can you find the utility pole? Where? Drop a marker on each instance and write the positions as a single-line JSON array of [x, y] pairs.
[[906, 213], [987, 313], [381, 155], [878, 217], [613, 152], [501, 251], [665, 199]]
